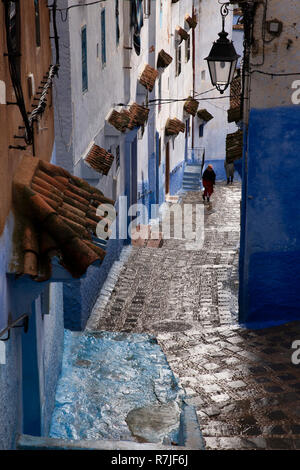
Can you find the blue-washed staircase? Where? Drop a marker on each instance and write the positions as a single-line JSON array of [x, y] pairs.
[[192, 177]]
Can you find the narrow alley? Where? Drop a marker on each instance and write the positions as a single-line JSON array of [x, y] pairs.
[[242, 382]]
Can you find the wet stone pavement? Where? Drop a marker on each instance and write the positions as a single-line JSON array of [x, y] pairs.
[[242, 382]]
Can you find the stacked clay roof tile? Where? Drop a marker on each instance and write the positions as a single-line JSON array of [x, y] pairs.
[[163, 59], [99, 159], [174, 126], [137, 115], [191, 21], [119, 120], [204, 114], [191, 106], [148, 77], [182, 33], [55, 215], [234, 146]]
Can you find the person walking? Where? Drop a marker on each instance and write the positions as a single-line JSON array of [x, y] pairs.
[[208, 179], [229, 168]]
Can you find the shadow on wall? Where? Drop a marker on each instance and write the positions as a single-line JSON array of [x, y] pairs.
[[80, 296], [219, 169]]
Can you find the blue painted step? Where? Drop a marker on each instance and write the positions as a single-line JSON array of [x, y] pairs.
[[191, 178]]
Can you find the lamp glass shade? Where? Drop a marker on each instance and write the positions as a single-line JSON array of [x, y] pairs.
[[222, 62]]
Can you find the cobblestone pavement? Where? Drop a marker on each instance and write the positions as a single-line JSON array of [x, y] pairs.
[[242, 382]]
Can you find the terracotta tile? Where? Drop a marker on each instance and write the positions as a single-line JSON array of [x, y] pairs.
[[47, 244], [75, 198], [191, 106], [191, 20], [78, 256], [204, 114], [30, 266], [174, 126], [79, 229], [61, 212], [49, 179], [74, 209], [48, 193], [164, 59], [40, 209], [148, 77], [48, 187], [99, 159], [53, 169], [79, 191], [182, 33]]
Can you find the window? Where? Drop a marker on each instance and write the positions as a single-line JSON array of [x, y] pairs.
[[203, 75], [103, 38], [84, 59], [37, 23], [188, 49], [187, 128], [117, 22], [159, 151], [160, 13], [201, 130], [45, 301], [178, 60], [159, 93], [117, 157], [12, 12]]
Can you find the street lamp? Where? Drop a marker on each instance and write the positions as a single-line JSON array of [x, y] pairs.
[[222, 58]]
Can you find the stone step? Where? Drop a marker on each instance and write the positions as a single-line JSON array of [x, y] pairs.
[[192, 186]]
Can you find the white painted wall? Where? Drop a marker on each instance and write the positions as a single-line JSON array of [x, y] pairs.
[[279, 56], [173, 87], [83, 113], [215, 131]]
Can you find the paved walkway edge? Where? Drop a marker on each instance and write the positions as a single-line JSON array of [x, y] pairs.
[[107, 288]]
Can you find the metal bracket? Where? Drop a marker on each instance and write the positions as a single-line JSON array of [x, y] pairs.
[[14, 324]]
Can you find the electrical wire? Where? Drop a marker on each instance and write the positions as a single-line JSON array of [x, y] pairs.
[[40, 108], [274, 74], [15, 78], [67, 9]]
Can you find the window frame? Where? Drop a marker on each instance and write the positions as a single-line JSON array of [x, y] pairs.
[[201, 130], [103, 37], [117, 14], [84, 59], [117, 157], [188, 49], [37, 23], [178, 60]]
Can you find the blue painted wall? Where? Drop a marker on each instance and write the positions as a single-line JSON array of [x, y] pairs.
[[270, 241], [176, 176], [10, 392], [41, 347], [50, 351], [219, 169], [81, 295], [30, 380]]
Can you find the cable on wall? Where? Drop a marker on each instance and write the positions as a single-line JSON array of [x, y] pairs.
[[13, 56]]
